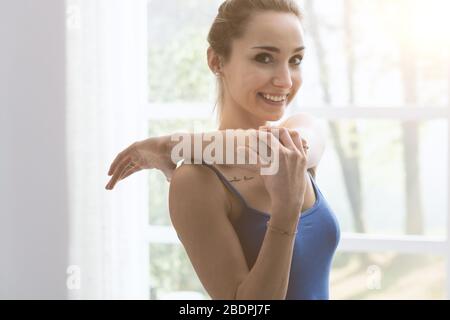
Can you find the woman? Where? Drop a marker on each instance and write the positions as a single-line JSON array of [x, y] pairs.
[[248, 235]]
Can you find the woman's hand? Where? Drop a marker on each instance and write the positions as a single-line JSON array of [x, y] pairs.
[[287, 186], [146, 154]]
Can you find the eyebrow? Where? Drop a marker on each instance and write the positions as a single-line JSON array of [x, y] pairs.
[[274, 49]]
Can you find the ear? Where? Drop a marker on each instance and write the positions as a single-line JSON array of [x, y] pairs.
[[213, 60]]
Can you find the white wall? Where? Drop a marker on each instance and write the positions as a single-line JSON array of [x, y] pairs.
[[33, 196]]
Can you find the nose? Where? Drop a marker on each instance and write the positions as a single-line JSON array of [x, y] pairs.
[[282, 78]]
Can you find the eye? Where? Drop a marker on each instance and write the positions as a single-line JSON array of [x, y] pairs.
[[263, 58], [299, 59]]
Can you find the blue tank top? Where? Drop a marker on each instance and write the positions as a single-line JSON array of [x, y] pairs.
[[315, 243]]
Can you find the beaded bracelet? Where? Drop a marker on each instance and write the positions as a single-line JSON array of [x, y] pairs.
[[281, 231]]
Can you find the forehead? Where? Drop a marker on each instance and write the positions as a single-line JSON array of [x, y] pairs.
[[281, 29]]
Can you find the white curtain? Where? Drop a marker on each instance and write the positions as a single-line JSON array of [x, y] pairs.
[[107, 91]]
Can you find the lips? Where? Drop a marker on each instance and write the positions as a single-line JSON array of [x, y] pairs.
[[273, 103]]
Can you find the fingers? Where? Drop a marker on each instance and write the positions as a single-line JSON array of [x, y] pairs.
[[271, 139], [119, 158], [294, 136], [118, 173], [300, 143], [286, 140], [284, 136], [305, 144], [260, 150], [296, 139], [129, 172]]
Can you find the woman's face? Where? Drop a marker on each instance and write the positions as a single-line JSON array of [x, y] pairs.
[[274, 70]]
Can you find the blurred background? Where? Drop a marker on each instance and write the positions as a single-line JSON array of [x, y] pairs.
[[82, 80]]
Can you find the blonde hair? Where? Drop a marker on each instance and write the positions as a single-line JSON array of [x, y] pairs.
[[230, 23]]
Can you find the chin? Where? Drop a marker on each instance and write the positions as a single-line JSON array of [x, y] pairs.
[[272, 117], [275, 118]]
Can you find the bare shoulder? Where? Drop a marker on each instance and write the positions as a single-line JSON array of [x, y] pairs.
[[196, 185]]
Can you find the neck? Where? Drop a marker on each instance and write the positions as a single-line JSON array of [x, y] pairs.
[[234, 117]]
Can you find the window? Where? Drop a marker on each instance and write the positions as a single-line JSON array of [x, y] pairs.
[[379, 80]]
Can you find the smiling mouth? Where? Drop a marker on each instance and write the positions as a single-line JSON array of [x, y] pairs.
[[275, 100]]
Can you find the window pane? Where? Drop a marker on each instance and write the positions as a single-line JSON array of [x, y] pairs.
[[172, 275], [395, 176], [159, 187], [387, 276], [178, 69], [376, 53]]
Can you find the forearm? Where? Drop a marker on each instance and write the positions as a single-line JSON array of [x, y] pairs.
[[269, 277], [196, 147]]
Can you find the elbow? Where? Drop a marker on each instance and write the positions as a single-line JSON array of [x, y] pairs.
[[241, 294], [236, 292]]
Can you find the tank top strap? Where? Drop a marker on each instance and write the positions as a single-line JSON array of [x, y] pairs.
[[227, 183], [313, 181]]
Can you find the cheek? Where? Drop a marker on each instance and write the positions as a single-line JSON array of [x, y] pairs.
[[251, 82], [297, 82], [300, 81], [297, 78]]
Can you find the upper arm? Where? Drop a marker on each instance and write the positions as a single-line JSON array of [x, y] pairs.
[[198, 211]]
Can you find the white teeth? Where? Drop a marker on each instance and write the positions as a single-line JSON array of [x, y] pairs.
[[274, 98]]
